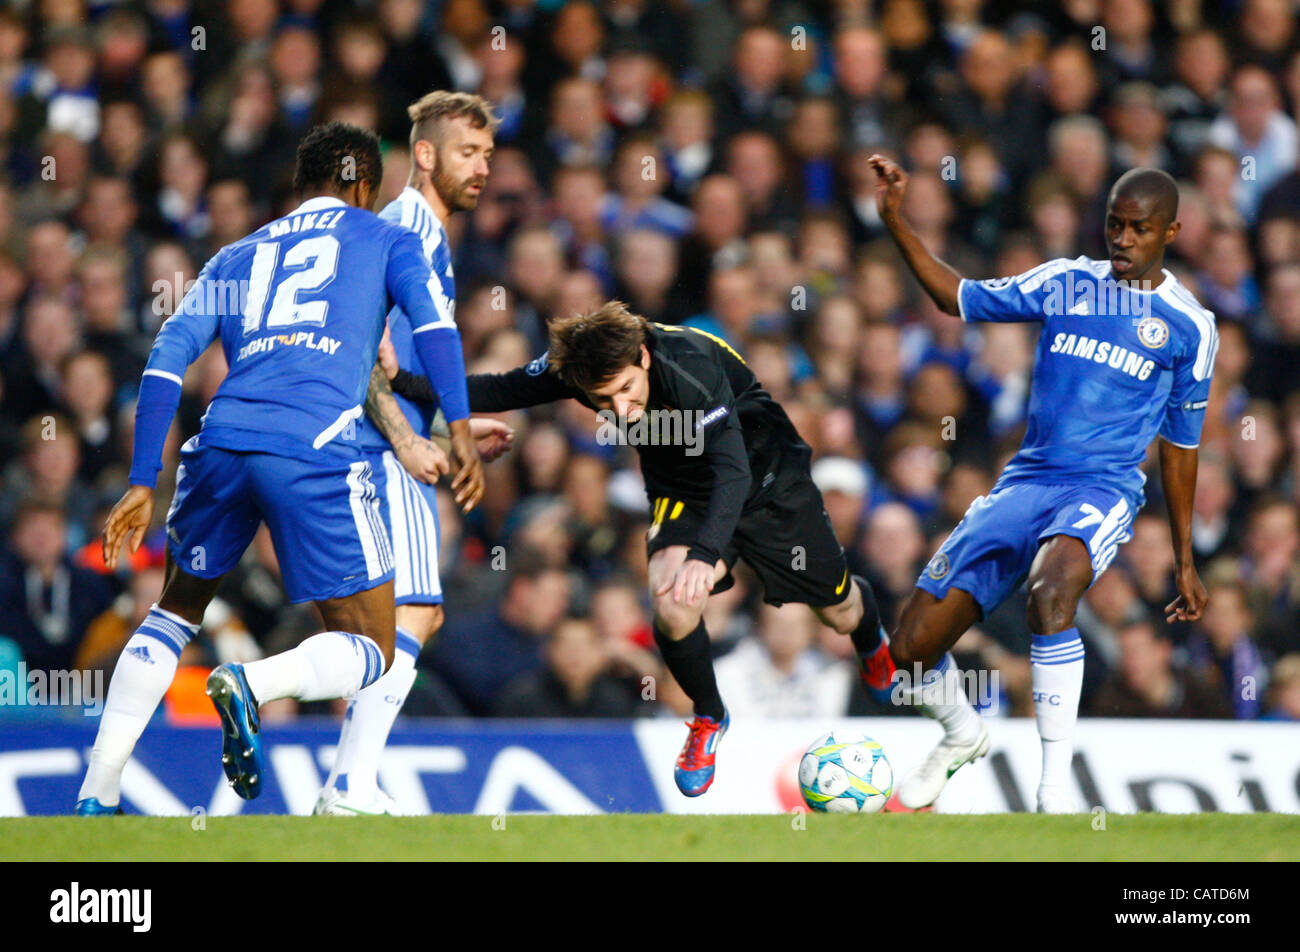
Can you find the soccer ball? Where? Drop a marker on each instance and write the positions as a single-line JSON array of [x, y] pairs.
[[845, 772]]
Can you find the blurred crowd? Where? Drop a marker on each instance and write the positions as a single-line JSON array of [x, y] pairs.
[[703, 160]]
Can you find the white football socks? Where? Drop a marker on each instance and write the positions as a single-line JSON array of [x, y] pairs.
[[325, 666], [143, 673], [1057, 662], [369, 720], [942, 695]]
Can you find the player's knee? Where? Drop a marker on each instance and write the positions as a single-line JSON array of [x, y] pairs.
[[674, 619], [1052, 601], [423, 622], [905, 644], [387, 649]]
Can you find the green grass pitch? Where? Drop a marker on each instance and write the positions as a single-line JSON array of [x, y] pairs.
[[1145, 837]]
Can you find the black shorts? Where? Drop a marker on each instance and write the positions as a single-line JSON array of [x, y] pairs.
[[788, 542]]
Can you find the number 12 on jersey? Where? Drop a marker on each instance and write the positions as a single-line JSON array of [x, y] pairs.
[[309, 265]]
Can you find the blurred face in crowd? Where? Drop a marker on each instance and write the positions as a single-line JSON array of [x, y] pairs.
[[616, 612], [1129, 20], [50, 331], [988, 67], [541, 601], [687, 120], [639, 171], [1112, 596], [1268, 25], [893, 541], [578, 33], [586, 486], [1227, 616], [1079, 154], [252, 19], [760, 59], [1202, 63], [579, 293], [1274, 533], [536, 264], [295, 56], [837, 327], [40, 538], [860, 61], [182, 168], [647, 263], [49, 254], [1214, 488], [771, 256], [230, 210], [1071, 79], [575, 654], [576, 109], [103, 293], [754, 160], [360, 52], [733, 294], [719, 210], [1284, 300], [1144, 658], [787, 632], [1252, 102], [109, 211], [88, 385], [577, 195]]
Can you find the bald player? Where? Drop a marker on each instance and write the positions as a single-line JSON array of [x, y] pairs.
[[1125, 356]]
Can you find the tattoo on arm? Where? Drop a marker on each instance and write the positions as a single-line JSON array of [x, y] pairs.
[[382, 408]]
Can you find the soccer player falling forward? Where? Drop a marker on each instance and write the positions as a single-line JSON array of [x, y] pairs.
[[728, 477], [1125, 354], [451, 147], [300, 332]]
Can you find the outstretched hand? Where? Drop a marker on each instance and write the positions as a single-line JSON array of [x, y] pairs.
[[891, 185], [128, 522]]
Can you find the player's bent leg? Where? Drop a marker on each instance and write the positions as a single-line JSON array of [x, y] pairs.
[[683, 642], [352, 788], [143, 673], [1061, 572], [858, 616], [927, 628]]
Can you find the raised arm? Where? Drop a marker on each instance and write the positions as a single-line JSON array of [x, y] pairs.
[[940, 281]]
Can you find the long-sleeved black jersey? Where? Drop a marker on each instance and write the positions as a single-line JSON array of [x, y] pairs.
[[731, 459]]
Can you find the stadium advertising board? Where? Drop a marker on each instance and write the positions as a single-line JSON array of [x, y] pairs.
[[491, 768]]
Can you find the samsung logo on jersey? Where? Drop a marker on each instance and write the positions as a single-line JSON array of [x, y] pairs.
[[311, 221], [1103, 352]]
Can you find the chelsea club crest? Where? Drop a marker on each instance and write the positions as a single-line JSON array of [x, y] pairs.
[[1153, 332]]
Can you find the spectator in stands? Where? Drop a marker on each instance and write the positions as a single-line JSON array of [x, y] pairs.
[[1223, 651], [1284, 690], [46, 602], [479, 654], [781, 673], [1146, 683], [573, 683]]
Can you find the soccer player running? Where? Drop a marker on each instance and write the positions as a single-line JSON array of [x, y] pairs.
[[1125, 355], [299, 307], [451, 147], [727, 476]]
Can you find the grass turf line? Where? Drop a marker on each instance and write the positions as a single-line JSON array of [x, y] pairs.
[[636, 837]]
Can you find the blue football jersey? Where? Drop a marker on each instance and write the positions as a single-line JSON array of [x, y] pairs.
[[299, 307], [411, 210], [1114, 368]]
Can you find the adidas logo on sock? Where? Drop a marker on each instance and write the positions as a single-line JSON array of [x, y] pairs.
[[141, 652]]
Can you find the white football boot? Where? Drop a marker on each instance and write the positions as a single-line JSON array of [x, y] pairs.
[[334, 802], [1059, 800], [922, 786]]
